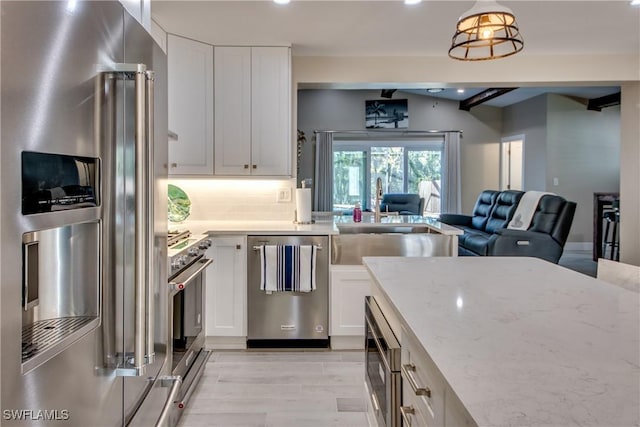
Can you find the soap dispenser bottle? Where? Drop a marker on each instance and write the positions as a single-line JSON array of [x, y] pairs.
[[357, 213]]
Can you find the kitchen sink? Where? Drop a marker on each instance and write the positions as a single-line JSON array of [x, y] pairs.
[[348, 249], [381, 228]]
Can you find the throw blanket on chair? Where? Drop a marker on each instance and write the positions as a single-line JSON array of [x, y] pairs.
[[288, 268], [526, 208]]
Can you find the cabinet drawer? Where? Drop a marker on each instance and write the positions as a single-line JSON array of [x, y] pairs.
[[414, 412], [423, 387]]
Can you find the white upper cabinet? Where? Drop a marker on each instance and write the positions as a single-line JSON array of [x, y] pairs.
[[140, 10], [253, 111], [190, 106], [233, 110], [271, 110]]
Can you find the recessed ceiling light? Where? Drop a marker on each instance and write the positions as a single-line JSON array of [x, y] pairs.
[[281, 1], [435, 90], [412, 1], [460, 91]]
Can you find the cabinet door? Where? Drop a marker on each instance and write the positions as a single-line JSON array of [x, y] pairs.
[[271, 111], [190, 106], [226, 285], [349, 286], [232, 110]]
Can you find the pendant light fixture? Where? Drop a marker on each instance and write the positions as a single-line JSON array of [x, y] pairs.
[[486, 31]]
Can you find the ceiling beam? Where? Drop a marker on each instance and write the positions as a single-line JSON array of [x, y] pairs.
[[597, 104], [387, 93], [484, 96]]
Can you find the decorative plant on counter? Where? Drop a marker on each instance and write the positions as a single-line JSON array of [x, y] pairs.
[[301, 140], [179, 205]]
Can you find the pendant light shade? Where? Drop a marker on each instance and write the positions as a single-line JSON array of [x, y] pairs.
[[486, 31]]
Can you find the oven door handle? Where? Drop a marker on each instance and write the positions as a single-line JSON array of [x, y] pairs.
[[382, 353], [183, 279]]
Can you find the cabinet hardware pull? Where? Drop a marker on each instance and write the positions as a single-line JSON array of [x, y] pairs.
[[238, 247], [408, 370], [246, 166], [405, 411], [255, 166], [174, 165]]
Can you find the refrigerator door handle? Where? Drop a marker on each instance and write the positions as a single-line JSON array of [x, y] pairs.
[[150, 232], [143, 343], [141, 228]]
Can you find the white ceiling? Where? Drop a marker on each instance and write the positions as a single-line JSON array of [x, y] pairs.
[[391, 28]]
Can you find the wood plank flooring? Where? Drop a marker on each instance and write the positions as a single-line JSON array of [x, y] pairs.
[[280, 389]]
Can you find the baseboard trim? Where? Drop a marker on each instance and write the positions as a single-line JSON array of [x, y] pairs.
[[351, 342], [226, 343], [578, 246]]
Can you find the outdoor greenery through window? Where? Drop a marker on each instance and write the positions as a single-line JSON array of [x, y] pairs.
[[405, 166]]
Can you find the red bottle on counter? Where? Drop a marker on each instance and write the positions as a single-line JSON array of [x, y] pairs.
[[357, 213]]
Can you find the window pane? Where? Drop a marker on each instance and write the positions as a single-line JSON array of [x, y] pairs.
[[387, 163], [348, 179], [425, 177]]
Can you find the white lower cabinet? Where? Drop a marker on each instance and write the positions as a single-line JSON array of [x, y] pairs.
[[423, 387], [427, 400], [226, 309], [349, 285]]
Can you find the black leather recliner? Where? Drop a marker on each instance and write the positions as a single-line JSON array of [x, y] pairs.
[[486, 232], [403, 203]]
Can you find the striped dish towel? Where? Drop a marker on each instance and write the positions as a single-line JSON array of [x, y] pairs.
[[288, 268]]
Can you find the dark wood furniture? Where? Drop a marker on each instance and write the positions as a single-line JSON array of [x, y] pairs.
[[601, 201]]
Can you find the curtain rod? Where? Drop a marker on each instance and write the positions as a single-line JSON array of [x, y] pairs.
[[390, 132]]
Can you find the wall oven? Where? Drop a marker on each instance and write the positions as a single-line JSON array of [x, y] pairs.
[[382, 366], [187, 265]]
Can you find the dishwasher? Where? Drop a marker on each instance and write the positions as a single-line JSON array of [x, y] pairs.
[[287, 319]]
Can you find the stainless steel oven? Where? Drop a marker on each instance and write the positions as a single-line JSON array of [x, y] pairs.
[[382, 366], [187, 265]]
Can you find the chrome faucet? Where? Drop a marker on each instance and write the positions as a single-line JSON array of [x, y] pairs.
[[376, 212]]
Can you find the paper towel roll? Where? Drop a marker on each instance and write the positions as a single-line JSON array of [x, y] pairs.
[[303, 205]]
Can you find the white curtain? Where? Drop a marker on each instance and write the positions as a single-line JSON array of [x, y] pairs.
[[323, 194], [451, 200]]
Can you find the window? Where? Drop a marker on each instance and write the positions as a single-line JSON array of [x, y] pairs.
[[404, 165]]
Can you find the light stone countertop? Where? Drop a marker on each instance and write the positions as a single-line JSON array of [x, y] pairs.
[[325, 226], [522, 342], [256, 227]]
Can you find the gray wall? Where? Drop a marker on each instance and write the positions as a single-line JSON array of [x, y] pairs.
[[583, 152], [529, 118], [344, 110], [564, 140]]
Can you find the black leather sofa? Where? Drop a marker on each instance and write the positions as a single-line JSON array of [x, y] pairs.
[[486, 232], [404, 203]]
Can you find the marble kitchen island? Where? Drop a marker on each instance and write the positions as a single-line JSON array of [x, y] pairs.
[[513, 341]]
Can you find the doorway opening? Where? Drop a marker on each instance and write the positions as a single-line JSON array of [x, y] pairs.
[[512, 163]]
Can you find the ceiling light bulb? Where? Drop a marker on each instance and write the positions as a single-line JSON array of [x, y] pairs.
[[412, 1], [486, 33], [485, 30], [460, 90], [281, 1]]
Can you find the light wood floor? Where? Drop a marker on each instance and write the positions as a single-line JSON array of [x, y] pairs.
[[280, 389]]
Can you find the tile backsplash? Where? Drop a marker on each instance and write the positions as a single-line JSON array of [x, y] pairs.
[[238, 199]]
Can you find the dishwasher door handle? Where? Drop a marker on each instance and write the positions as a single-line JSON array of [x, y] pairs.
[[257, 248]]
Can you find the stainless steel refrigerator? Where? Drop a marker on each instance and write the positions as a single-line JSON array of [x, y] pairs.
[[84, 323]]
